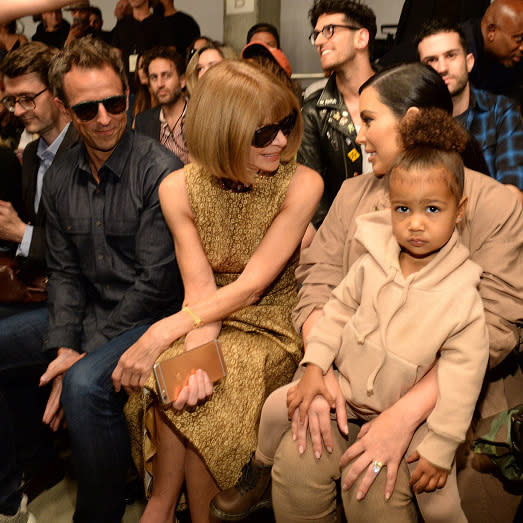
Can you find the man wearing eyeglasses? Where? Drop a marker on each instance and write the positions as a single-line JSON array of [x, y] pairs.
[[111, 267], [342, 33], [29, 97]]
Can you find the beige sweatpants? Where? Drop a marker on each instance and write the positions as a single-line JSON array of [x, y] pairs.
[[304, 488]]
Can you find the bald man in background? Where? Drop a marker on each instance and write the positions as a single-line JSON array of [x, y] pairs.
[[496, 41]]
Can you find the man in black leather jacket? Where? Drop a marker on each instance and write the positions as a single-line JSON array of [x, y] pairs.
[[343, 32]]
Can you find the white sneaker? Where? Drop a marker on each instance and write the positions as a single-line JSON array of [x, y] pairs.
[[22, 516]]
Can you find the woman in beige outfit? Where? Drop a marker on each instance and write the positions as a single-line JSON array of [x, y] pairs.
[[492, 230]]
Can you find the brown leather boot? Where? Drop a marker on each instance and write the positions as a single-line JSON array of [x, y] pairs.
[[252, 492]]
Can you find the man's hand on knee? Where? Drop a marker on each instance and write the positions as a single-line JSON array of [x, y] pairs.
[[66, 358]]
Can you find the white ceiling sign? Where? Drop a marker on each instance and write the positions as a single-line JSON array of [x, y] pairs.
[[239, 6]]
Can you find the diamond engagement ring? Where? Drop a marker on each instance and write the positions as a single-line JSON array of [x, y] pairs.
[[376, 466]]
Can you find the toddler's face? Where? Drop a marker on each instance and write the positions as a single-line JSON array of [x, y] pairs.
[[424, 211]]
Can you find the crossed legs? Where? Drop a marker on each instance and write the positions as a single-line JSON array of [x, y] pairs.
[[175, 463]]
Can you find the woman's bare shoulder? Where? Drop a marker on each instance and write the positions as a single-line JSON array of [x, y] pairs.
[[173, 181]]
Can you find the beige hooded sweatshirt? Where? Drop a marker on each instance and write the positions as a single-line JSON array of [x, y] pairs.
[[492, 230], [384, 332]]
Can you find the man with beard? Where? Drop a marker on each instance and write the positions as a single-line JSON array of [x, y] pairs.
[[342, 33], [493, 120], [165, 70]]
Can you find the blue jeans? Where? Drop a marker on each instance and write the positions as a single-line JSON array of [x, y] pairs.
[[98, 431], [23, 437]]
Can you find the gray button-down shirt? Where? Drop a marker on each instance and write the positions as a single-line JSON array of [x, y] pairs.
[[110, 255]]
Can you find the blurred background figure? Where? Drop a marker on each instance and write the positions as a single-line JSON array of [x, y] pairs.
[[144, 98], [180, 29], [198, 43], [266, 33], [9, 38], [96, 22], [205, 58], [53, 29], [80, 12]]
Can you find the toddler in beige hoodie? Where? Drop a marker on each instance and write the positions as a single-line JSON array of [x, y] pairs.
[[410, 301]]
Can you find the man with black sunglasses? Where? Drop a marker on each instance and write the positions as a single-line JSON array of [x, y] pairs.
[[111, 267], [26, 445], [343, 32]]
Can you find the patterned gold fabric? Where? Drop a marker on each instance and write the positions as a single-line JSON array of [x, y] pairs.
[[260, 346]]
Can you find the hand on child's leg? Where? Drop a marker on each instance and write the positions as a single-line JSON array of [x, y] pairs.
[[310, 386], [426, 477]]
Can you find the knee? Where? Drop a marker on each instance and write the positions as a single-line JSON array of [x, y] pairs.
[[303, 487], [77, 386]]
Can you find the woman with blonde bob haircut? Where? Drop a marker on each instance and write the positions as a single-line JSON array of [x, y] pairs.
[[225, 121], [237, 215]]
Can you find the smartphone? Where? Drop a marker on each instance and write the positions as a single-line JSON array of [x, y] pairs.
[[172, 374]]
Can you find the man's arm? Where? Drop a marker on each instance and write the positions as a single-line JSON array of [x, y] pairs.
[[494, 233], [310, 155], [321, 265], [65, 290], [157, 283], [509, 144]]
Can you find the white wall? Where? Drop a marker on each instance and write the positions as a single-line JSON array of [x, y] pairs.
[[208, 14]]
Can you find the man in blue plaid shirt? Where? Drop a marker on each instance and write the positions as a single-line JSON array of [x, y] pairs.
[[494, 120]]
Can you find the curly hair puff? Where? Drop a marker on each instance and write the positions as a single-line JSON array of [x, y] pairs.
[[433, 139], [435, 128]]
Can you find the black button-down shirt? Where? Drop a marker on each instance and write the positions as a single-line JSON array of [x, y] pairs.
[[110, 255]]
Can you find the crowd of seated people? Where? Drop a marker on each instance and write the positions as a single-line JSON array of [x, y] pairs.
[[356, 254]]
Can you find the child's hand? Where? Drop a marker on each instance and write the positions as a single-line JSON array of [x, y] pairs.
[[426, 477], [310, 386]]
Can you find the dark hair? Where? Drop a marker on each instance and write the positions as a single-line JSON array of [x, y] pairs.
[[191, 50], [85, 53], [432, 138], [264, 28], [11, 27], [167, 53], [354, 12], [410, 85], [96, 11], [33, 57], [441, 25]]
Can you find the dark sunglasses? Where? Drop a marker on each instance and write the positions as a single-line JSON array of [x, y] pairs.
[[88, 110], [265, 135]]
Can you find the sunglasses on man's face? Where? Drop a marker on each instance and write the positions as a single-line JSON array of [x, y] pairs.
[[86, 111], [265, 135]]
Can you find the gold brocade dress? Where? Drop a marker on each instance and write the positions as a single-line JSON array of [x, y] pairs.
[[259, 343]]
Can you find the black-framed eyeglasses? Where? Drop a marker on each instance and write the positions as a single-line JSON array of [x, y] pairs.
[[86, 111], [328, 30], [265, 135], [27, 102]]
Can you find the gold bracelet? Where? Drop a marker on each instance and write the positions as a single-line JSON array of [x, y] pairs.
[[198, 322]]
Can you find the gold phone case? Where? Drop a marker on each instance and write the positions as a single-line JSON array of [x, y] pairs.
[[171, 374]]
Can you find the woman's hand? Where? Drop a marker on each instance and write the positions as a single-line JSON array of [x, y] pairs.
[[198, 388], [318, 419], [384, 439], [136, 363]]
